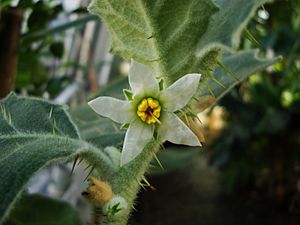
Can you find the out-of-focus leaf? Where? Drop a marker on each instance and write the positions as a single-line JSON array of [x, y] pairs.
[[57, 49], [37, 209], [4, 4]]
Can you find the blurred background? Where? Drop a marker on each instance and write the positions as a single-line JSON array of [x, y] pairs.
[[249, 168]]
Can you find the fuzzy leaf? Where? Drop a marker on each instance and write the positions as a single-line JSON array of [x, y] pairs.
[[175, 37], [33, 134], [163, 34], [242, 64], [225, 27], [37, 209]]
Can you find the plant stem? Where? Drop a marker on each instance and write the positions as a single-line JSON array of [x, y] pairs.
[[10, 28], [126, 181]]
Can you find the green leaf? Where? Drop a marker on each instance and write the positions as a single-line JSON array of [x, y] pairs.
[[175, 37], [242, 64], [225, 27], [37, 209], [4, 4], [163, 34], [33, 134]]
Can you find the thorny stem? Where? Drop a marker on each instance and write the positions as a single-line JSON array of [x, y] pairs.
[[126, 182]]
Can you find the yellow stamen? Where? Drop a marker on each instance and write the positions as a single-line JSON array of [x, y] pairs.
[[149, 110], [143, 106], [142, 115], [153, 104], [156, 112]]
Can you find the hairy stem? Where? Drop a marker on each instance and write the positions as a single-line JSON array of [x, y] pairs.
[[126, 181]]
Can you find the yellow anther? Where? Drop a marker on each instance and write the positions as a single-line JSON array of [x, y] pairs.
[[142, 115], [153, 103], [149, 110], [156, 112], [143, 106], [150, 120]]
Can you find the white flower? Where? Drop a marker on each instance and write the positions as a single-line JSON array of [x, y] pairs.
[[149, 110]]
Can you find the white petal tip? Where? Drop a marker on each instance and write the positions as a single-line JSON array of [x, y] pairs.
[[195, 143], [92, 104]]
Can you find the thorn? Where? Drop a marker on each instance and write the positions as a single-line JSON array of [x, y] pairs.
[[197, 118], [73, 166], [186, 118], [228, 70], [142, 185], [218, 82], [87, 167], [145, 180], [162, 146], [157, 160], [251, 38], [9, 118], [80, 161], [194, 98], [134, 208], [89, 174], [54, 127], [148, 184], [50, 113], [154, 60], [211, 91]]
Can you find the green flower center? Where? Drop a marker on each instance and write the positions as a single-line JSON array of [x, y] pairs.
[[149, 110]]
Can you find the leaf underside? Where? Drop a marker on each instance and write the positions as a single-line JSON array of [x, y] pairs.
[[33, 134]]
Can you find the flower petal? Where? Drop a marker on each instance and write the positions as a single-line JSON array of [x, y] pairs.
[[175, 131], [115, 109], [136, 138], [177, 95], [142, 80]]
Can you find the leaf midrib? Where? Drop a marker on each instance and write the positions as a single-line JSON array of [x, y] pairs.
[[161, 69], [38, 138]]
